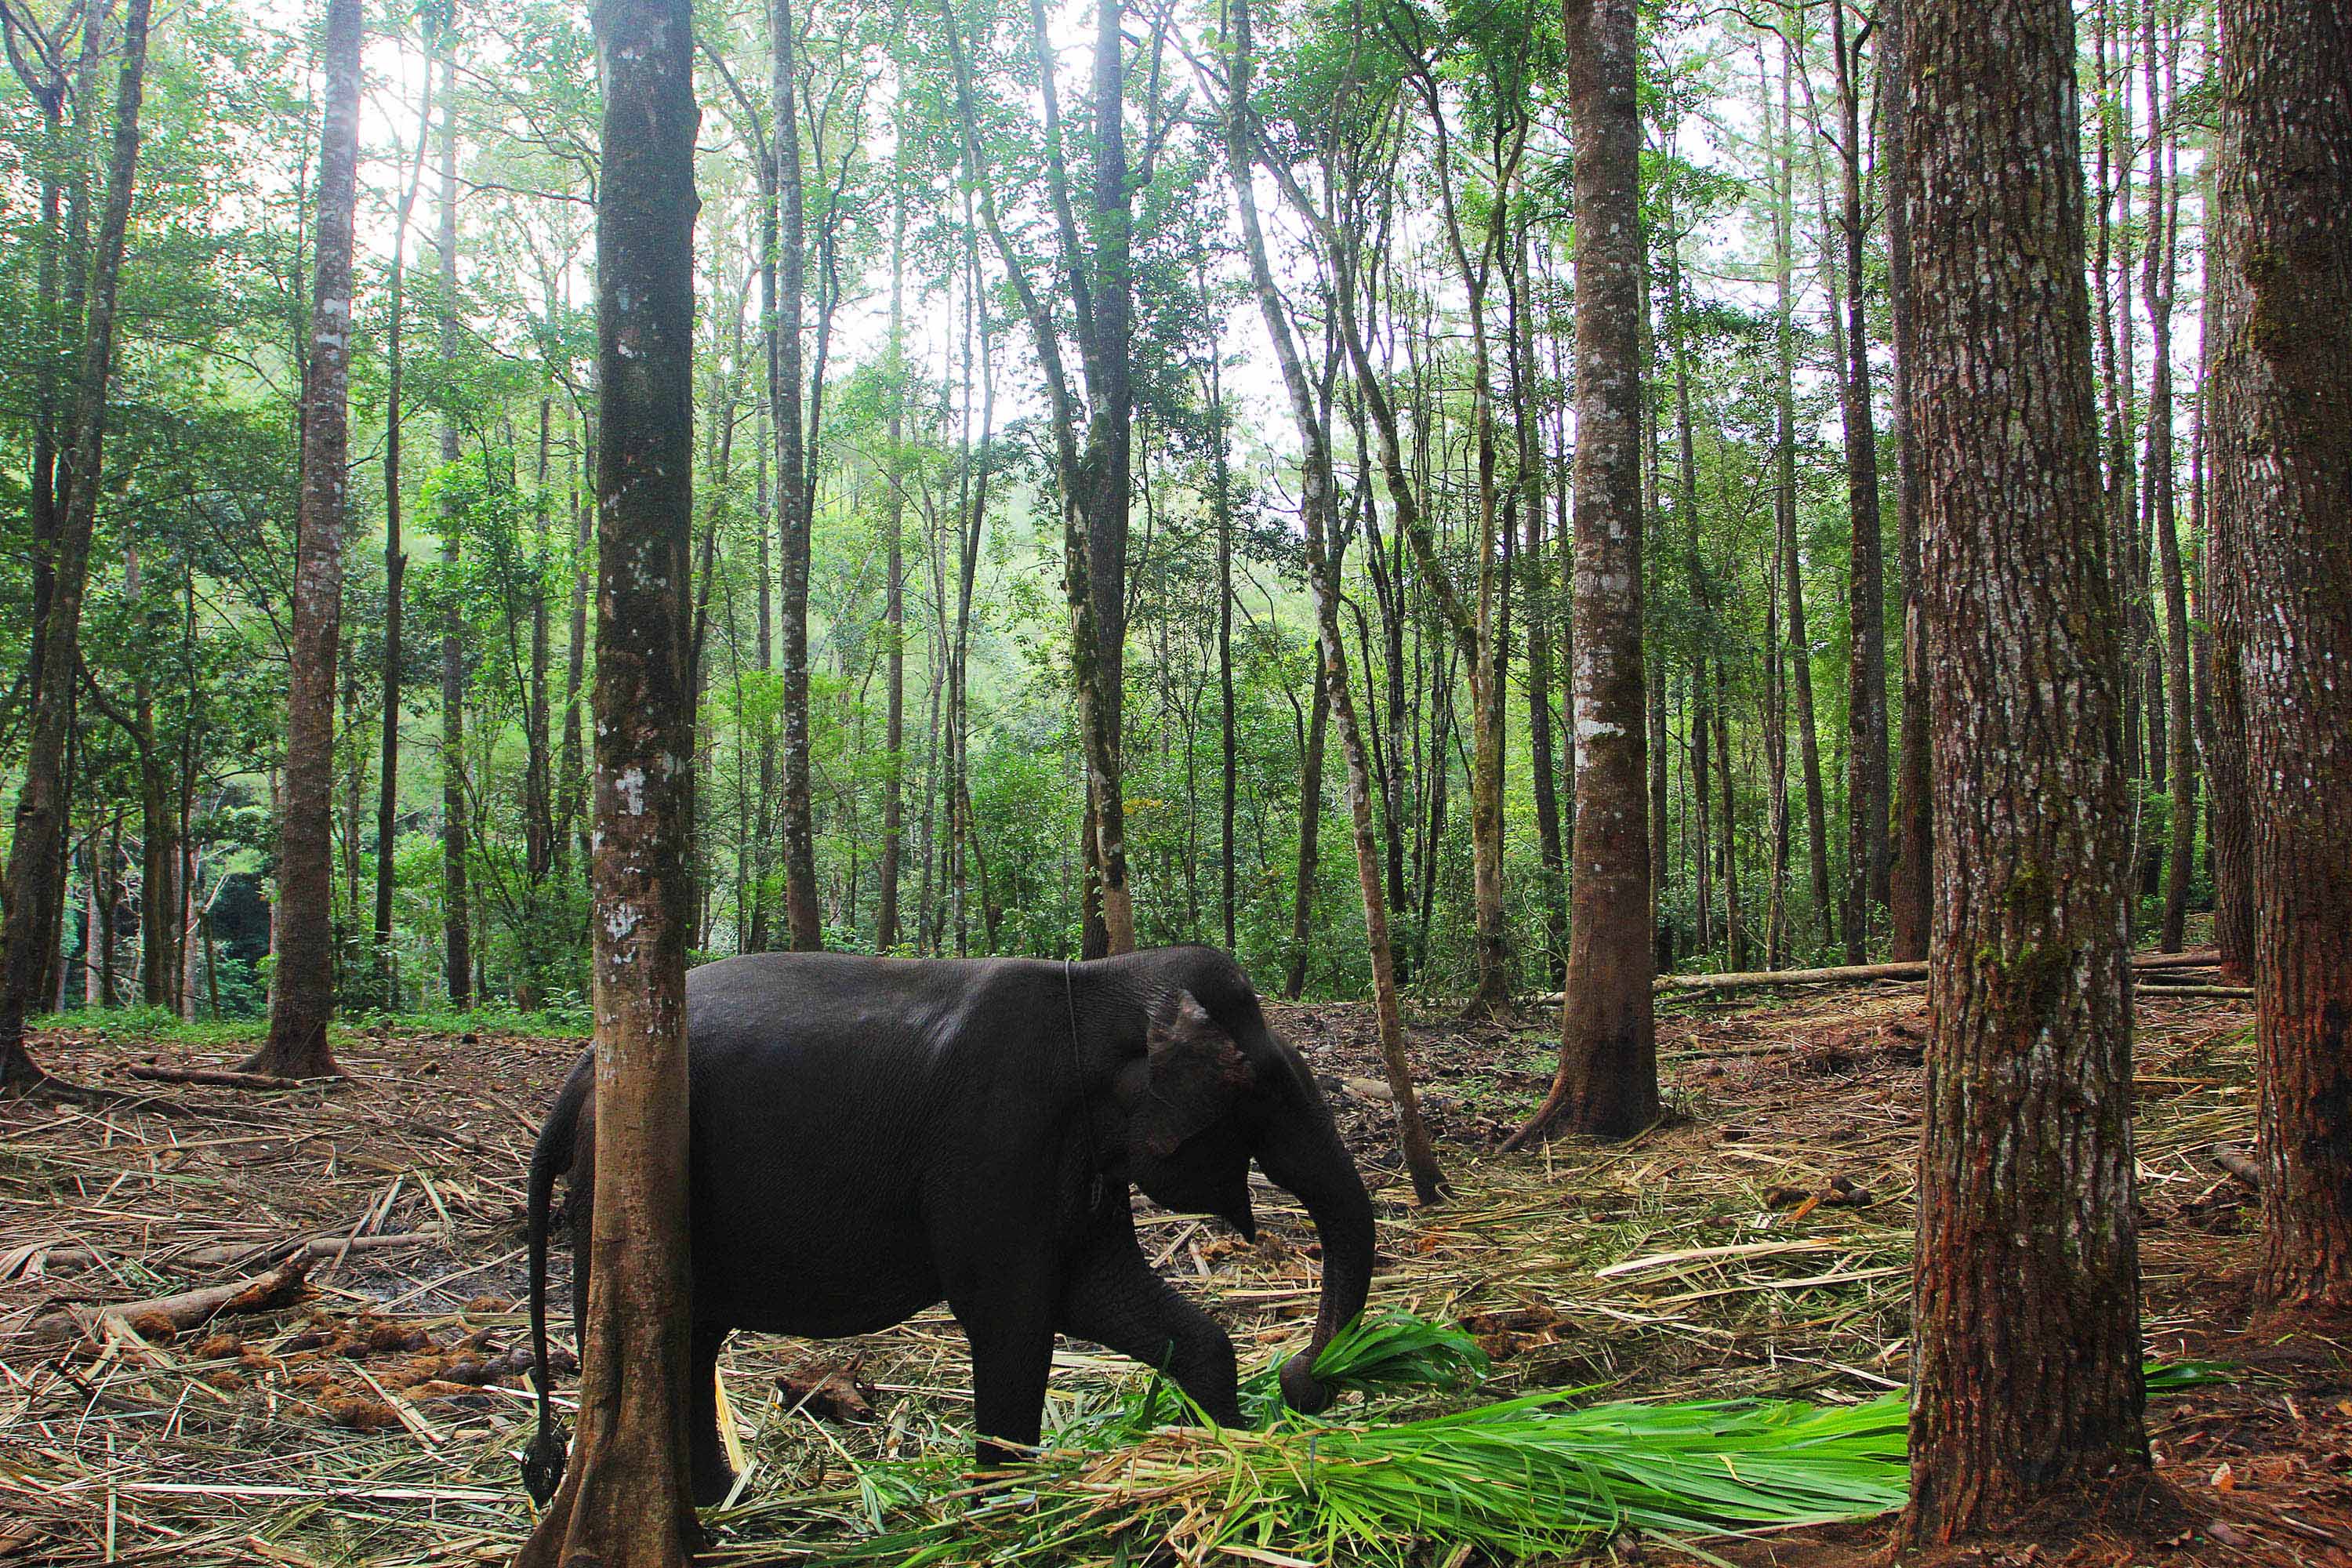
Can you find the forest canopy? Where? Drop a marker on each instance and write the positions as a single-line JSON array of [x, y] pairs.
[[895, 748]]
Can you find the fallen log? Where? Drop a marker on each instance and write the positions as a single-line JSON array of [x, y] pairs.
[[1871, 974], [1842, 975], [2239, 1164], [2205, 958], [312, 1249], [169, 1316], [38, 1258], [2242, 993], [1741, 980], [217, 1077]]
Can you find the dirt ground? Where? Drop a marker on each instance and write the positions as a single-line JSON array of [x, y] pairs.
[[1758, 1242]]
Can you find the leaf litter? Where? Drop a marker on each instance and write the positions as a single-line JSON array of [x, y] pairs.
[[1735, 1279]]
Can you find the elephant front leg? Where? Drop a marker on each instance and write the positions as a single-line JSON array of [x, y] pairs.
[[1114, 1299], [1010, 1330], [706, 1450]]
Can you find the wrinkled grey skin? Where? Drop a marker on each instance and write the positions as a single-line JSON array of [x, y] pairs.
[[870, 1136]]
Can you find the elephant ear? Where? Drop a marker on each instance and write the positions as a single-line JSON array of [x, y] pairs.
[[1197, 1075]]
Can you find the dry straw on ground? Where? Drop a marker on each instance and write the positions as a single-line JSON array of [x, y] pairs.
[[1757, 1244]]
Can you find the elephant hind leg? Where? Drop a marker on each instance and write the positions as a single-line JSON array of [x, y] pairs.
[[713, 1477], [1114, 1299]]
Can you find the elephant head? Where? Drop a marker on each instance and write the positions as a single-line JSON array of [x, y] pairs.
[[1215, 1088]]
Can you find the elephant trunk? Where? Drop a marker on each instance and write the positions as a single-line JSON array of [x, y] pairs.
[[1306, 1158]]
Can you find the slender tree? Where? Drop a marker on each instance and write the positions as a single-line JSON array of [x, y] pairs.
[[1092, 473], [2160, 54], [302, 999], [894, 612], [804, 920], [456, 898], [2284, 431], [1310, 406], [1867, 859], [1607, 1081], [35, 853], [1540, 598], [1221, 504], [1310, 833], [2026, 1349], [1911, 882], [624, 1499], [396, 568]]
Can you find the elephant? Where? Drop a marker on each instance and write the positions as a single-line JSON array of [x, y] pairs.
[[870, 1136]]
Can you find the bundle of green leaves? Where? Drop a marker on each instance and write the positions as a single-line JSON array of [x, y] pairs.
[[1517, 1478]]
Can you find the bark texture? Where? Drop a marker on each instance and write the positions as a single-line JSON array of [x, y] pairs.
[[2026, 1353], [2285, 434], [624, 1500], [302, 999], [1608, 1078]]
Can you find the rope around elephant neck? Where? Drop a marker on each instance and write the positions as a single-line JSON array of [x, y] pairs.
[[1078, 1071]]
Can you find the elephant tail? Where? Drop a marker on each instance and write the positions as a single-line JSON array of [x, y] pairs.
[[542, 1461]]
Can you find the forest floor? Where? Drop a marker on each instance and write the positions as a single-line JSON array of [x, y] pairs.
[[1755, 1243]]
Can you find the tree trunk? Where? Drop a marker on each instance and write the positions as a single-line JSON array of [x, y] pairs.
[[2284, 432], [2230, 537], [62, 279], [302, 997], [1910, 889], [624, 1500], [1735, 928], [1537, 596], [1608, 1076], [159, 838], [457, 908], [1311, 821], [1702, 722], [893, 607], [2164, 199], [1868, 867], [802, 917], [1801, 654], [1323, 563], [971, 519], [35, 877], [1221, 503], [1102, 672], [395, 568], [2026, 1361], [763, 815]]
